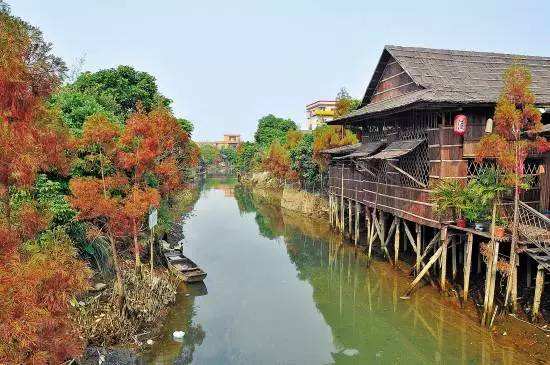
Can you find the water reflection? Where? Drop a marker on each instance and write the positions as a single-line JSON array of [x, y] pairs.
[[283, 289]]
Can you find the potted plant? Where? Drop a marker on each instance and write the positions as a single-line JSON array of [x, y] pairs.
[[500, 227], [448, 196]]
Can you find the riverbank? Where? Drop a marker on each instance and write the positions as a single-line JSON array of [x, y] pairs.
[[508, 331], [269, 189], [118, 337]]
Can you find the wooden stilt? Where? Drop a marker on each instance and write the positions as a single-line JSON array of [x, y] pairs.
[[418, 247], [490, 284], [432, 260], [369, 230], [467, 264], [539, 284], [478, 262], [396, 239], [357, 217], [350, 217], [529, 273], [454, 258], [443, 277]]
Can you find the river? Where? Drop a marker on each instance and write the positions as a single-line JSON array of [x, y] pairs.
[[282, 289]]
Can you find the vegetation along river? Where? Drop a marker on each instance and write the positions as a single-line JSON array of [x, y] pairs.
[[282, 289]]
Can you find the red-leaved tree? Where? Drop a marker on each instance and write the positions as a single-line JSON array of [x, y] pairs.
[[38, 276], [517, 123]]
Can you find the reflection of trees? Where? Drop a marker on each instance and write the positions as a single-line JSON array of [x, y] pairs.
[[244, 200], [368, 320], [193, 338]]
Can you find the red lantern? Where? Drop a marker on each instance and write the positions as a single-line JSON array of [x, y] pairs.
[[460, 124]]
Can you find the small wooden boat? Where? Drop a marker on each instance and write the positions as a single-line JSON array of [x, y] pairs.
[[183, 267]]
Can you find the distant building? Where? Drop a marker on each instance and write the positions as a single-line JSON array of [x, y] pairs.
[[229, 141], [319, 112]]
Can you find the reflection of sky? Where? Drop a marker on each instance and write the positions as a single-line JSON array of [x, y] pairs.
[[256, 310]]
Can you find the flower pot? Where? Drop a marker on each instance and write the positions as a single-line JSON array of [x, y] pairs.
[[461, 222], [479, 226], [500, 232]]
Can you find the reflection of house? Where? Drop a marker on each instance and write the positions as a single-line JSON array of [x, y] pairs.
[[319, 112], [229, 141]]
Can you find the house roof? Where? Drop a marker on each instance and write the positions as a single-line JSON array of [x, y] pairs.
[[397, 149], [366, 149], [343, 149], [450, 76]]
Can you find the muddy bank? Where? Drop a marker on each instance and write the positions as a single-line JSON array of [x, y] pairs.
[[269, 190]]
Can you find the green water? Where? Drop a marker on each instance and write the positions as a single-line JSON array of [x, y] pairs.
[[282, 289]]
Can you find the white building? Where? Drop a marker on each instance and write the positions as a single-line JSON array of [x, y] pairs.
[[319, 112]]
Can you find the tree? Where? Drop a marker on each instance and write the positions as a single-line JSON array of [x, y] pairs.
[[277, 162], [39, 271], [186, 125], [247, 157], [345, 103], [326, 137], [120, 90], [272, 128], [75, 107], [209, 154], [517, 122]]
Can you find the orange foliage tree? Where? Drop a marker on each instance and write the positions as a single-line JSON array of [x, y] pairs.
[[277, 162], [517, 122], [330, 137], [39, 270]]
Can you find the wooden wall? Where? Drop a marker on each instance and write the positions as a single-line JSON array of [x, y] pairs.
[[393, 82]]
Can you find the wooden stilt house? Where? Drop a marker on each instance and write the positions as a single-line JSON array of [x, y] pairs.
[[409, 140]]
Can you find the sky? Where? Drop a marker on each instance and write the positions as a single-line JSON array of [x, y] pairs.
[[225, 64]]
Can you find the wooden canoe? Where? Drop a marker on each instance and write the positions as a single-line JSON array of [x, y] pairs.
[[183, 267]]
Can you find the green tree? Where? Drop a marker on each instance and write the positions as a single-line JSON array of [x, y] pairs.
[[209, 154], [272, 128], [230, 155], [301, 157], [247, 157], [186, 125], [120, 90], [75, 107]]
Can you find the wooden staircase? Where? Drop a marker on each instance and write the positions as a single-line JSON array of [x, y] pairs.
[[534, 231]]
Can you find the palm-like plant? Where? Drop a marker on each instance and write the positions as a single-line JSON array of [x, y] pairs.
[[449, 195]]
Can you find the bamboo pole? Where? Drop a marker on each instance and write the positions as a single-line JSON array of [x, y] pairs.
[[529, 274], [539, 285], [396, 239], [467, 264], [443, 277], [342, 202]]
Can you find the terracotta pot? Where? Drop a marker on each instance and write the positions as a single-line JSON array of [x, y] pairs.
[[500, 232], [461, 222]]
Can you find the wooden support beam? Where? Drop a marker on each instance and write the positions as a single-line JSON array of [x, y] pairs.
[[370, 230], [529, 273], [428, 248], [407, 174], [539, 285], [397, 237], [409, 235], [357, 217], [350, 229], [467, 264], [443, 277], [490, 279], [432, 260], [390, 232], [454, 258], [418, 247]]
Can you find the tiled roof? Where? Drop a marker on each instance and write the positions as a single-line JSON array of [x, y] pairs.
[[342, 149], [397, 149], [366, 149]]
